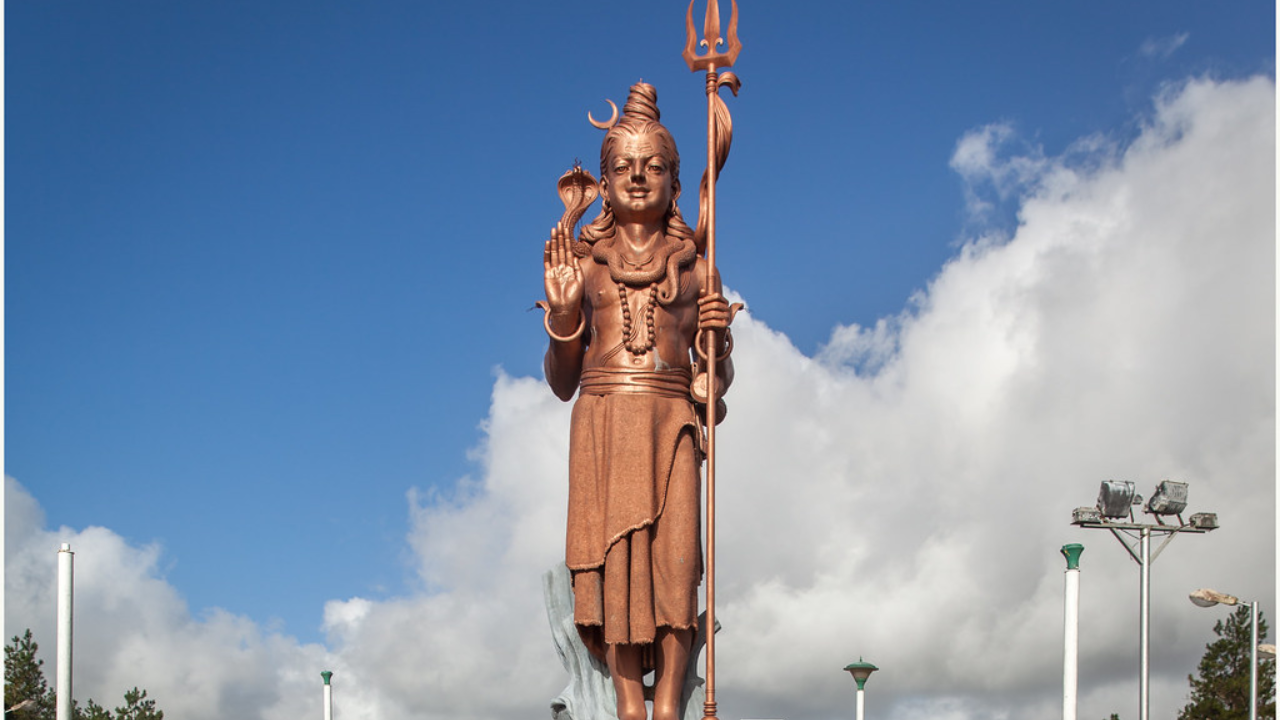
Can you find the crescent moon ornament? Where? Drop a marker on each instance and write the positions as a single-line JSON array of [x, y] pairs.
[[613, 119]]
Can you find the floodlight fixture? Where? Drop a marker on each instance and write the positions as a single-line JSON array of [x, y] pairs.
[[1204, 521], [1085, 515], [1115, 497], [1170, 498]]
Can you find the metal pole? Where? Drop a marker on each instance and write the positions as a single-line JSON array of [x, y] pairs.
[[859, 703], [1144, 676], [709, 705], [1071, 630], [711, 62], [328, 695], [1253, 660], [66, 563]]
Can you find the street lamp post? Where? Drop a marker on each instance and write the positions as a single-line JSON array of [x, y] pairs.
[[328, 695], [1114, 512], [1071, 630], [860, 672], [66, 589], [1208, 598]]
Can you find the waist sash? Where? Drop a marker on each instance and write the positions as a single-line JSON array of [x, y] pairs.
[[663, 383]]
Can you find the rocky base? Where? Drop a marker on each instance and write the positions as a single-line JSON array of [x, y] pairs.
[[590, 695]]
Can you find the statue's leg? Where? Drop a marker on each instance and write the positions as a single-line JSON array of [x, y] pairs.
[[672, 661], [592, 637], [626, 667]]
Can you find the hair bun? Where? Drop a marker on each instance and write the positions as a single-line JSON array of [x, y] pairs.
[[642, 103]]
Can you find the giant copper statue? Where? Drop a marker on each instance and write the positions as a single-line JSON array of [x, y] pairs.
[[639, 332]]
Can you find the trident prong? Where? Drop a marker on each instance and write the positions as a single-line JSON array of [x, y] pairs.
[[711, 39]]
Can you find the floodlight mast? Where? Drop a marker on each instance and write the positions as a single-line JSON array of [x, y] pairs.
[[1114, 512]]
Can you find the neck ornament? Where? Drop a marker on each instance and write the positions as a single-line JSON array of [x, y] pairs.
[[628, 332], [636, 274]]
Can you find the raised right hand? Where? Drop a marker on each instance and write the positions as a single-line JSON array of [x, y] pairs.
[[562, 277]]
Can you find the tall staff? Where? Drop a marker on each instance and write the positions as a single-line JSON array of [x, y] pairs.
[[719, 137]]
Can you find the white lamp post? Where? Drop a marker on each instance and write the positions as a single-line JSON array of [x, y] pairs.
[[66, 566], [328, 695], [1205, 597], [1071, 630], [860, 672], [1114, 512]]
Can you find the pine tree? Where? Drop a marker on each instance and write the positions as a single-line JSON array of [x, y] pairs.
[[138, 707], [25, 688], [1221, 692], [91, 711]]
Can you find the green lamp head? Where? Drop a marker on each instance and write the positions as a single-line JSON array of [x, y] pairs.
[[860, 672], [1072, 554]]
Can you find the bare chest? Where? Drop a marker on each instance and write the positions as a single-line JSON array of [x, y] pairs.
[[632, 326]]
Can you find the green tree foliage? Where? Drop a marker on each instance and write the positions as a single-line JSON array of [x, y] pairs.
[[91, 711], [25, 686], [1221, 692], [138, 707]]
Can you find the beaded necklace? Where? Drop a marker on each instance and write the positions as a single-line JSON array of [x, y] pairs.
[[628, 333]]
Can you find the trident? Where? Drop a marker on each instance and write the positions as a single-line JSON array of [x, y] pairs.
[[719, 136]]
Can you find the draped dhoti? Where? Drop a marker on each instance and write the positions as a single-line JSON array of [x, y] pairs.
[[634, 530]]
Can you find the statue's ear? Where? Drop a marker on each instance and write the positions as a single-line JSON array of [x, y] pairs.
[[675, 189]]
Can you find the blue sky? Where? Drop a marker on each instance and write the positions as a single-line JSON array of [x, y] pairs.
[[265, 262]]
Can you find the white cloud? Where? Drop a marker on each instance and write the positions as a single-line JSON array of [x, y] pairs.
[[1161, 48], [991, 170], [133, 628], [981, 155], [902, 497]]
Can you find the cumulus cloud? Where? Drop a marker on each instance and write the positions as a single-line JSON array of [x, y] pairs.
[[902, 496], [133, 628], [1126, 330]]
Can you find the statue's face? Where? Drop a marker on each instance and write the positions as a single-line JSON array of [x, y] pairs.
[[638, 182]]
